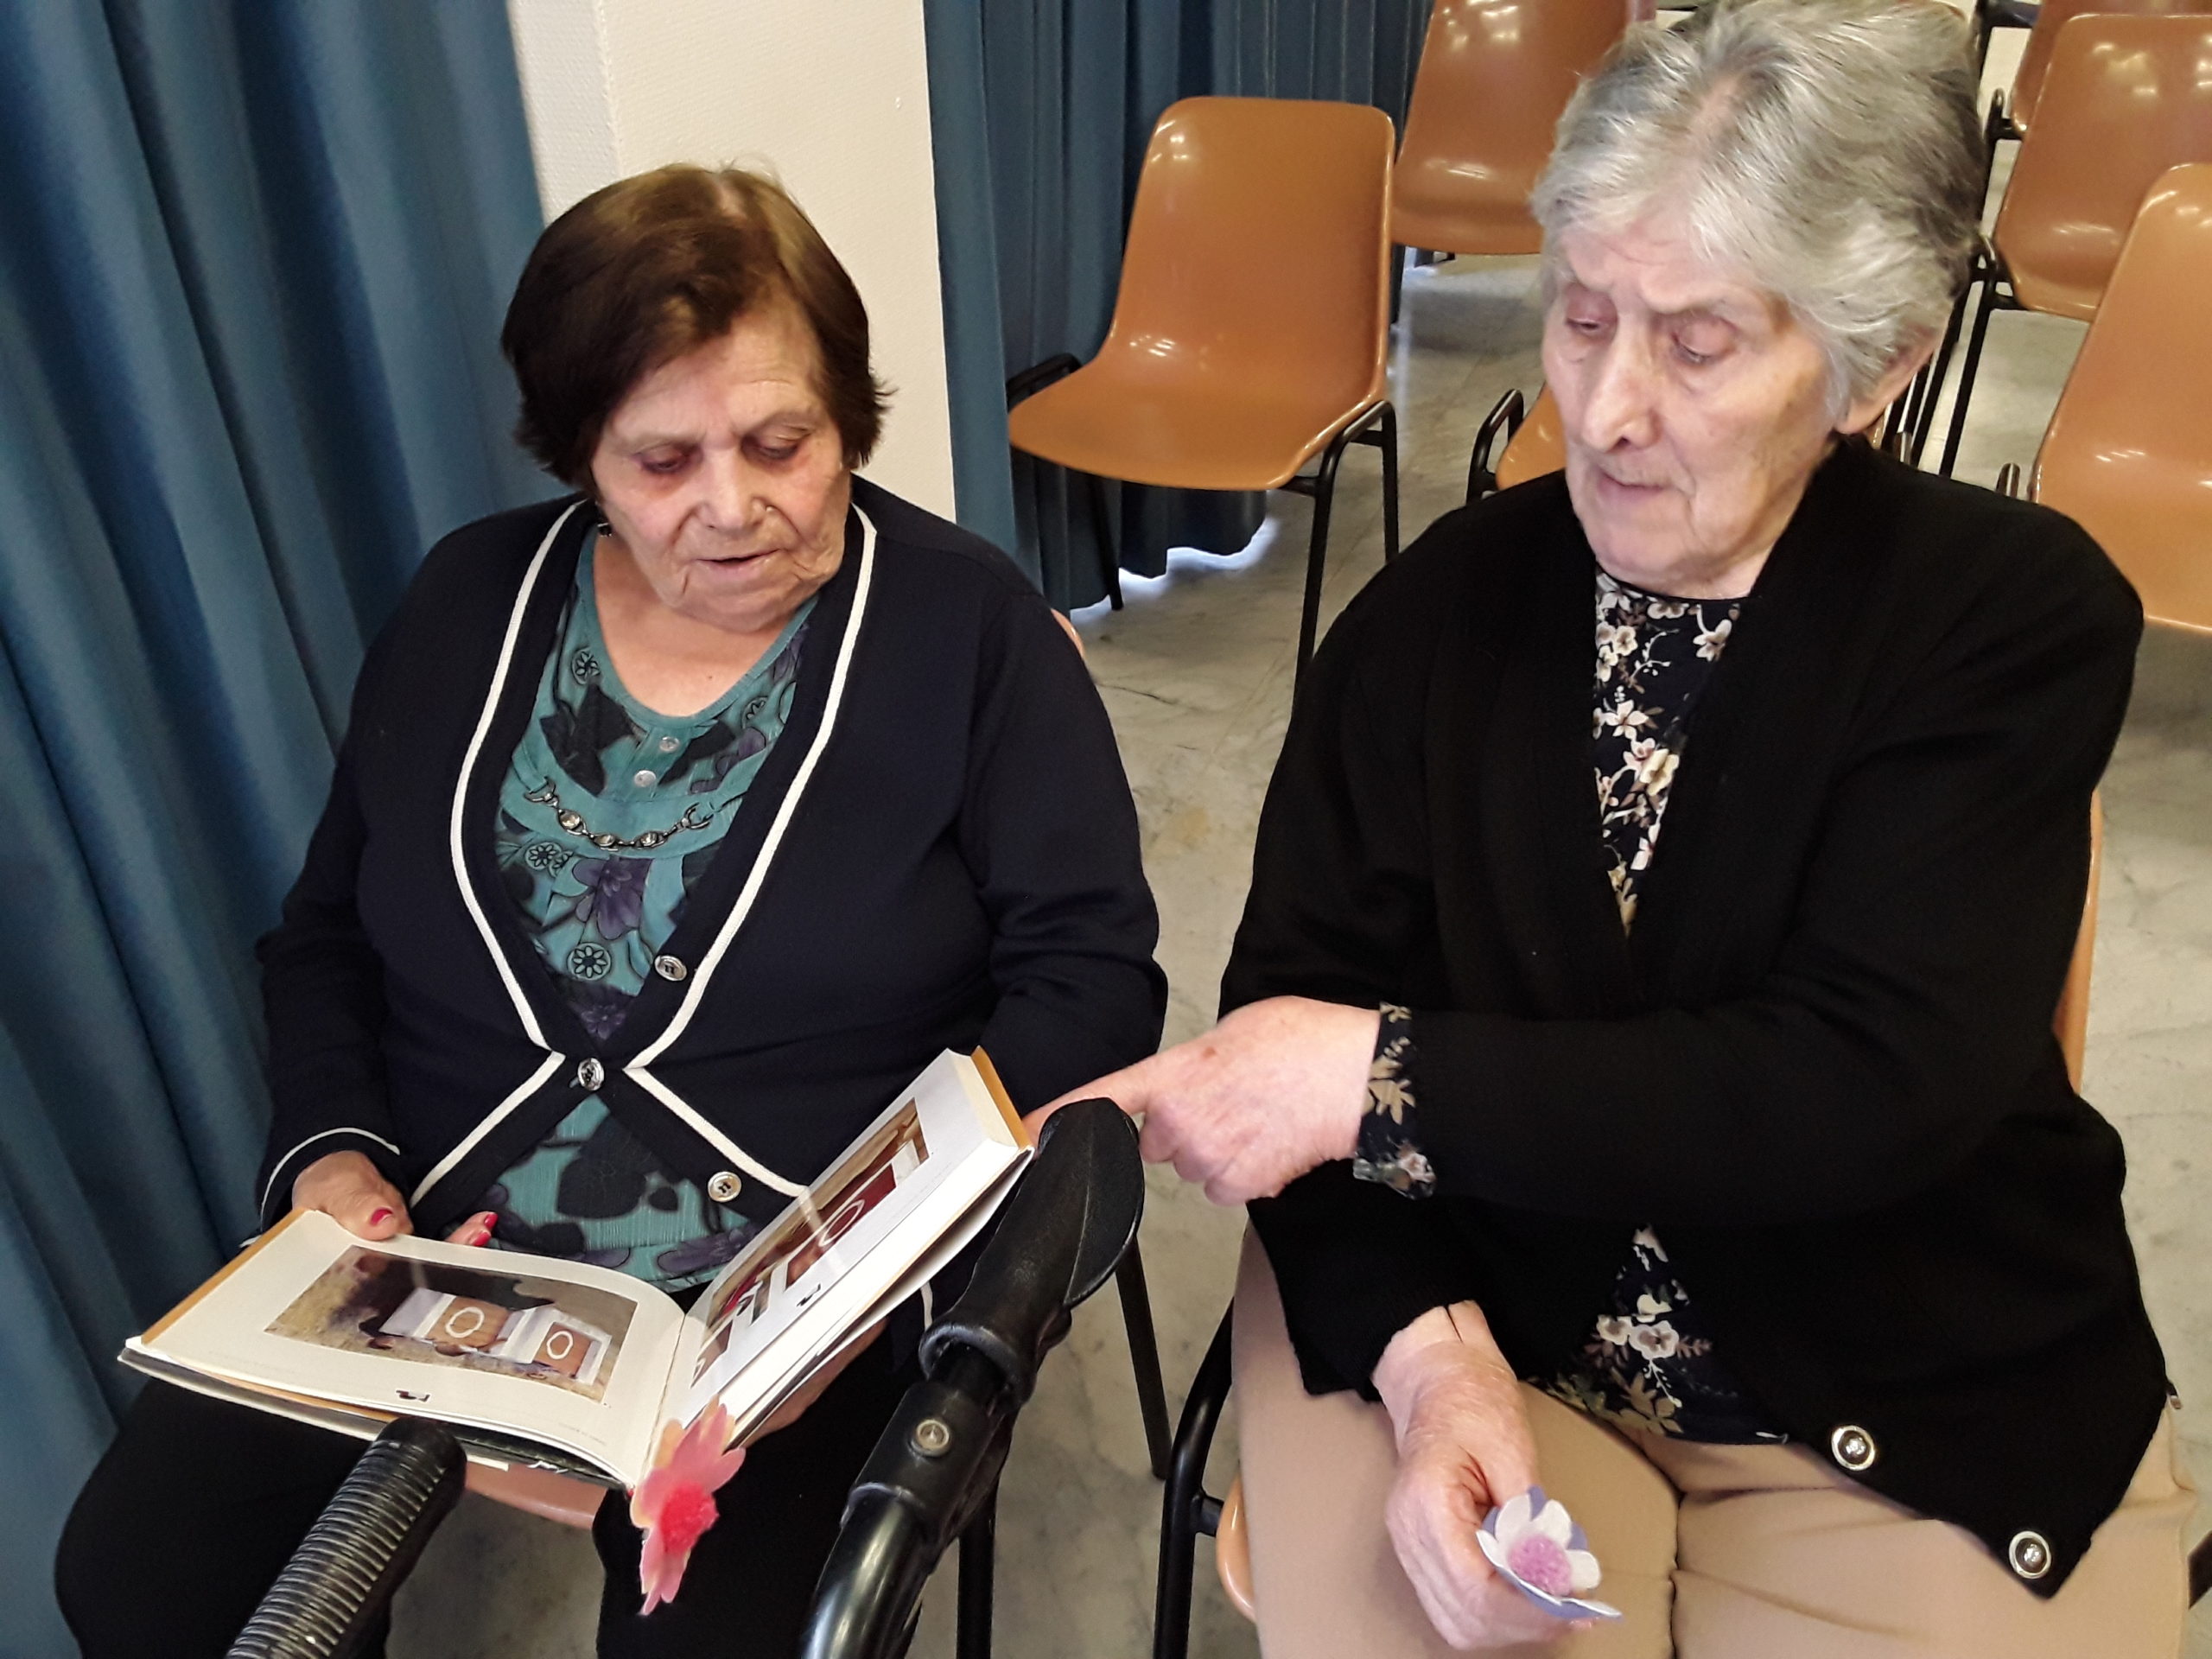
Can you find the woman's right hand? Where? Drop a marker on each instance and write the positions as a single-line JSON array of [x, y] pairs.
[[1464, 1446], [347, 1187]]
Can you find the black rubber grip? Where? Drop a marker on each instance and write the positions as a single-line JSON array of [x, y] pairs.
[[367, 1539]]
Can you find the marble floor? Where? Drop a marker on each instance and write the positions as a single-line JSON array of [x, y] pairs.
[[1196, 672]]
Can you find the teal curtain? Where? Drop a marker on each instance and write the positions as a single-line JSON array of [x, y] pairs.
[[1040, 111], [253, 258]]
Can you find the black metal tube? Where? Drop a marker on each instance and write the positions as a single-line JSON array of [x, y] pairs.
[[1144, 1357], [338, 1583], [978, 1564], [1184, 1509]]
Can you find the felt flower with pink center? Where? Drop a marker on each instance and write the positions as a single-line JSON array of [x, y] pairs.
[[674, 1505], [1537, 1548]]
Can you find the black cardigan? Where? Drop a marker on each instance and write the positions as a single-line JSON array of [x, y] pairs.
[[1821, 1066], [940, 851]]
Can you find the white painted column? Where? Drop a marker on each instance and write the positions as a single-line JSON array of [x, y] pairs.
[[830, 96]]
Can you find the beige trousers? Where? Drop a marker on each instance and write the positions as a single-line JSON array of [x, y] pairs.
[[1713, 1552]]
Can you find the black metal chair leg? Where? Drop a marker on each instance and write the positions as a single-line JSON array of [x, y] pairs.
[[1390, 448], [1324, 492], [1924, 411], [1144, 1357], [1398, 257], [1967, 372], [1101, 520], [978, 1564], [1186, 1510]]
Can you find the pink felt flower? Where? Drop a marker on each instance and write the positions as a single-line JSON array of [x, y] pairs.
[[1537, 1548], [674, 1504]]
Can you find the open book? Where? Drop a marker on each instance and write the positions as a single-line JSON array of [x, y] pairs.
[[537, 1361]]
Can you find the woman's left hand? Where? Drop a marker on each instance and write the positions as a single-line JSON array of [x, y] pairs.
[[1274, 1089]]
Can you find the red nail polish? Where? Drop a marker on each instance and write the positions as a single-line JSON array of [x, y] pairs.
[[378, 1218]]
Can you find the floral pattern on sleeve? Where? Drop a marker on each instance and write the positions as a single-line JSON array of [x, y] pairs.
[[1390, 1151]]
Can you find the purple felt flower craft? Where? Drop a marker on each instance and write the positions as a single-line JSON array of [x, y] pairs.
[[1537, 1548]]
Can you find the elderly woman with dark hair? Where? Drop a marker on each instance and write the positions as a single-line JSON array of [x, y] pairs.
[[1666, 1022], [679, 822]]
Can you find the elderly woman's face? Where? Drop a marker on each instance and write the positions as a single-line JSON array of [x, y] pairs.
[[1694, 409], [725, 476]]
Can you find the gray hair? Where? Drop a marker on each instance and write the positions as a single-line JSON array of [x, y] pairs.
[[1830, 150]]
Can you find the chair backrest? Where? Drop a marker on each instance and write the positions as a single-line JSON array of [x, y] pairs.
[[2071, 1021], [2125, 98], [1494, 76], [2129, 450], [1258, 249], [2035, 60], [1538, 447]]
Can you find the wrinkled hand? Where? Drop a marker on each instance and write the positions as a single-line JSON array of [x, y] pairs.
[[1463, 1448], [347, 1187], [1274, 1089]]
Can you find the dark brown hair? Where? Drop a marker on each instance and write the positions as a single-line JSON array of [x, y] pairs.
[[650, 268]]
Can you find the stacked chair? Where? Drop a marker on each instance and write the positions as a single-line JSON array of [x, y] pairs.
[[2010, 119], [2129, 451], [1250, 332], [1495, 76], [2124, 100]]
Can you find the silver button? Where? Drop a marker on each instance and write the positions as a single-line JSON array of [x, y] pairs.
[[668, 745], [590, 1075], [2030, 1554], [645, 777], [725, 1186], [1853, 1447], [669, 968]]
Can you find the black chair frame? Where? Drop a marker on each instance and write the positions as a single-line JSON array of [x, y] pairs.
[[1188, 1509], [1502, 422], [1990, 276], [1376, 426]]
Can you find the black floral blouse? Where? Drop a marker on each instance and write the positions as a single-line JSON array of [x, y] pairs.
[[1650, 1362]]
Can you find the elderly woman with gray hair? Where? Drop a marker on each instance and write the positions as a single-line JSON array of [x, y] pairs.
[[1641, 1057]]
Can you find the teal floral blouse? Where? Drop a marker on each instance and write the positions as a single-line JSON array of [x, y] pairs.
[[1649, 1362], [607, 814]]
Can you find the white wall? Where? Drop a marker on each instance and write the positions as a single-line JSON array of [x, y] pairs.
[[831, 96]]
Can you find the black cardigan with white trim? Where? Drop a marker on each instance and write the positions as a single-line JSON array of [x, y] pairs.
[[1821, 1065], [941, 851]]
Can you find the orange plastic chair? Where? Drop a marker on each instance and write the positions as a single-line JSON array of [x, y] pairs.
[[2010, 119], [2125, 98], [2129, 450], [1248, 337], [1535, 445], [1494, 77]]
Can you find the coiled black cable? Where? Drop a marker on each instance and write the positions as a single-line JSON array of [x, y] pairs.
[[367, 1540]]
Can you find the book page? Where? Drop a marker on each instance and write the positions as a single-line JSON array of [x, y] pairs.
[[576, 1357], [798, 1291]]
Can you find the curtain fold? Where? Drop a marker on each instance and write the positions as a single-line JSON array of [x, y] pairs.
[[251, 286], [1040, 112]]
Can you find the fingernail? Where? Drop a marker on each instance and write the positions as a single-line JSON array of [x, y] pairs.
[[377, 1218], [481, 1226]]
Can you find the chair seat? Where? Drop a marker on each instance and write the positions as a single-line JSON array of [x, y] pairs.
[[1463, 207], [1180, 430], [2061, 270], [2151, 513]]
